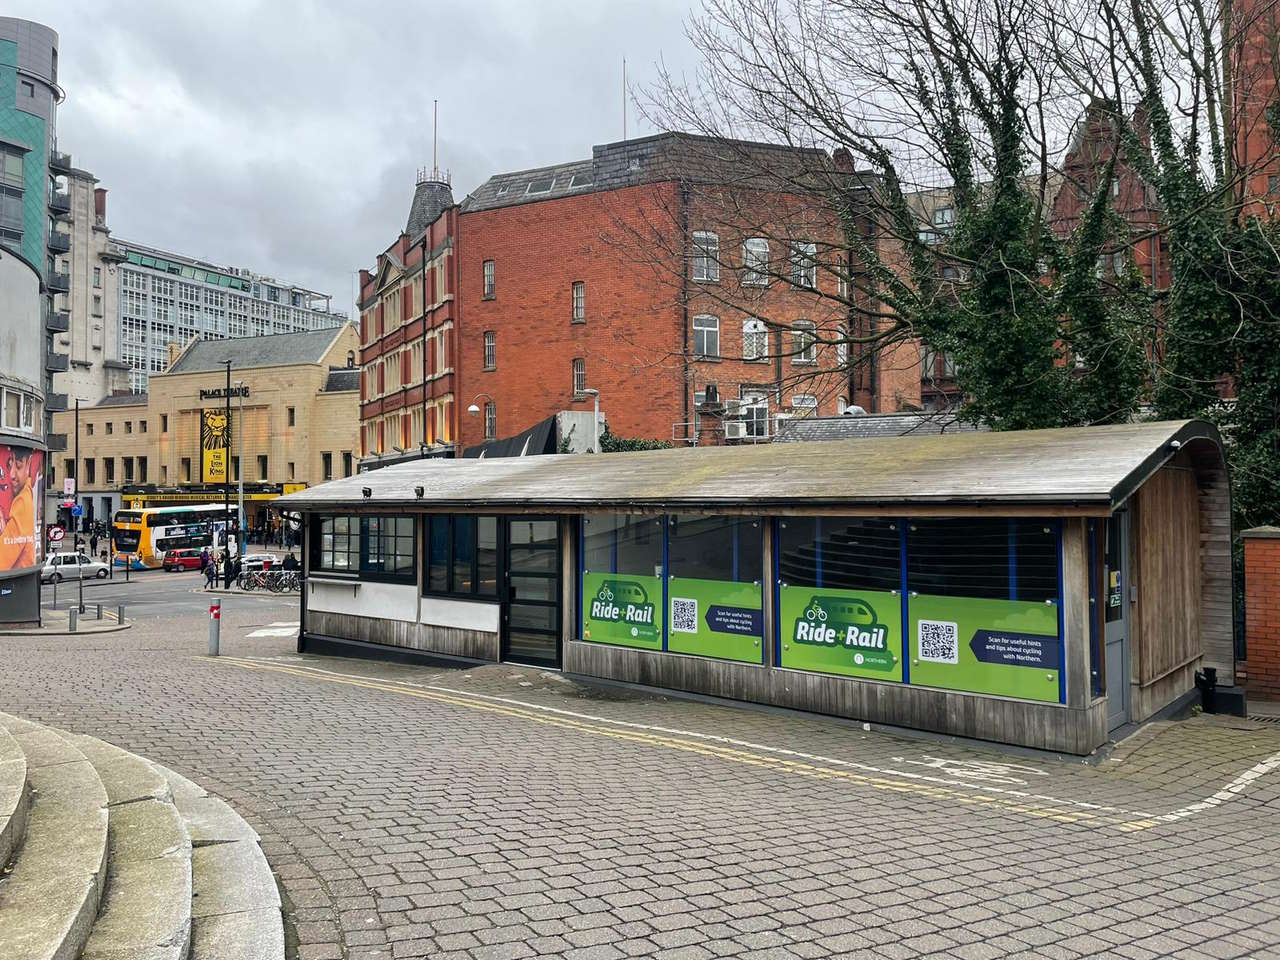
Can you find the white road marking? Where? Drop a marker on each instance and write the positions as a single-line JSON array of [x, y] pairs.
[[733, 742], [1229, 792], [280, 628]]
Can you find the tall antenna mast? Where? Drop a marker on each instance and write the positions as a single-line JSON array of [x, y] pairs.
[[624, 98], [435, 134]]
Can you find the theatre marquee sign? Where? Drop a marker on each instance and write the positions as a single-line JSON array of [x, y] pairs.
[[220, 393]]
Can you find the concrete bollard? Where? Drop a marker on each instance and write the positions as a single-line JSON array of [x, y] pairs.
[[72, 614], [120, 613], [215, 626], [99, 611]]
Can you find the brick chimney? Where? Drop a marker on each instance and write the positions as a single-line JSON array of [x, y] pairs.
[[711, 419], [100, 205]]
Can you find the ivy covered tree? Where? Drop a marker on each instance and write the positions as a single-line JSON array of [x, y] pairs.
[[916, 101]]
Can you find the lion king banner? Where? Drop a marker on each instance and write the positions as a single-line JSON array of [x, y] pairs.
[[215, 445]]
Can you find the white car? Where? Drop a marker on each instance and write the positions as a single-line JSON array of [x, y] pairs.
[[258, 561], [69, 565]]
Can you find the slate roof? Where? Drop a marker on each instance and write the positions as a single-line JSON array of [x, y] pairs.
[[122, 400], [849, 427], [1088, 470], [342, 378], [430, 199], [280, 349], [665, 156], [508, 189]]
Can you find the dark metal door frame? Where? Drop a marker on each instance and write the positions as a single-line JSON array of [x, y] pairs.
[[511, 602]]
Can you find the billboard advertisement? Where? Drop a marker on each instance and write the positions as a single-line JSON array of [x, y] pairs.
[[21, 513], [716, 618], [852, 633], [622, 609], [215, 445], [1010, 648]]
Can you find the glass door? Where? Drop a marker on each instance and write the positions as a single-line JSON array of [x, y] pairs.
[[531, 607]]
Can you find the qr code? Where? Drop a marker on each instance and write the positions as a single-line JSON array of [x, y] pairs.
[[684, 615], [938, 641]]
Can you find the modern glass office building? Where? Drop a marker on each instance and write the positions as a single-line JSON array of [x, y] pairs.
[[30, 201], [168, 298]]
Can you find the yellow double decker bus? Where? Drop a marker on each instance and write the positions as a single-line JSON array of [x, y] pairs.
[[141, 537]]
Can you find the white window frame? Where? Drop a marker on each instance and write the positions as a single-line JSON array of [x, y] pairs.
[[755, 334], [804, 342], [804, 265], [755, 411], [579, 368], [755, 262], [706, 256], [490, 350], [806, 402], [708, 325], [490, 420], [579, 299], [944, 218], [489, 272]]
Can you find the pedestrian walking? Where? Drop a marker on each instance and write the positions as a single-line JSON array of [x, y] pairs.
[[210, 573], [93, 544], [226, 567]]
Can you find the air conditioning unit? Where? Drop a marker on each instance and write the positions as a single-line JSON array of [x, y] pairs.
[[735, 430], [733, 409]]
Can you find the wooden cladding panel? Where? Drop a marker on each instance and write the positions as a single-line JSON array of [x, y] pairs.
[[1167, 555]]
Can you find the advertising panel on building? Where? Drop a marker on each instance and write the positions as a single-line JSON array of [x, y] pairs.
[[21, 497], [215, 442]]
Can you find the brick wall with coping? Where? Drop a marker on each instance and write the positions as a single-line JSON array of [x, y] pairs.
[[1262, 611]]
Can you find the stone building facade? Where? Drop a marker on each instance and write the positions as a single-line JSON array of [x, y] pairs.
[[299, 426]]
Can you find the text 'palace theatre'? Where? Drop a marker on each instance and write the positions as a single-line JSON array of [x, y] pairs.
[[1039, 588]]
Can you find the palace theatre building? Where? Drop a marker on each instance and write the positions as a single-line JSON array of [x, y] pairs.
[[1039, 588]]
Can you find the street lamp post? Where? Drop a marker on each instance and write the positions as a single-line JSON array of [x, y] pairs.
[[240, 459], [474, 410], [226, 471]]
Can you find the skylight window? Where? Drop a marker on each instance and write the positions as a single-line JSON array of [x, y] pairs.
[[582, 180], [541, 185]]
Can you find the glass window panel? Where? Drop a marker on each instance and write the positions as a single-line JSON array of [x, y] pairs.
[[464, 553], [623, 543], [984, 559], [534, 532], [438, 554], [715, 548], [531, 617], [534, 588], [533, 559], [487, 555], [839, 553]]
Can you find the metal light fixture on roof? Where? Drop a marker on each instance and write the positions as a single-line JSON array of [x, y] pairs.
[[367, 491], [419, 492]]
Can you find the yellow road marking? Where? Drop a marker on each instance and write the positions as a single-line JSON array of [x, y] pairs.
[[728, 754]]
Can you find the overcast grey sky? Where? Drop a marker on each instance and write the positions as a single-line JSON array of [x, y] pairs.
[[283, 135]]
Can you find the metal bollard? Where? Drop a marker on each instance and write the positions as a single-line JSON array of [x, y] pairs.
[[120, 613], [215, 626], [99, 611], [72, 614]]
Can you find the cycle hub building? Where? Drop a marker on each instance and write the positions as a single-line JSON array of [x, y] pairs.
[[1038, 588]]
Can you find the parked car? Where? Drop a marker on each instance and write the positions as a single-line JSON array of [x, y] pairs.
[[68, 565], [185, 559], [252, 562]]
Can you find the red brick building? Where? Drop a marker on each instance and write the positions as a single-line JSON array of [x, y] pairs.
[[652, 272]]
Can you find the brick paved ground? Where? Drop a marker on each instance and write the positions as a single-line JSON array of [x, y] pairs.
[[405, 819]]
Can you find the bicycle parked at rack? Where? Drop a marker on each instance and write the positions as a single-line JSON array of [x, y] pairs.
[[274, 581]]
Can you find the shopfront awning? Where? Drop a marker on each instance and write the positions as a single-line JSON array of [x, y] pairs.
[[1079, 470]]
